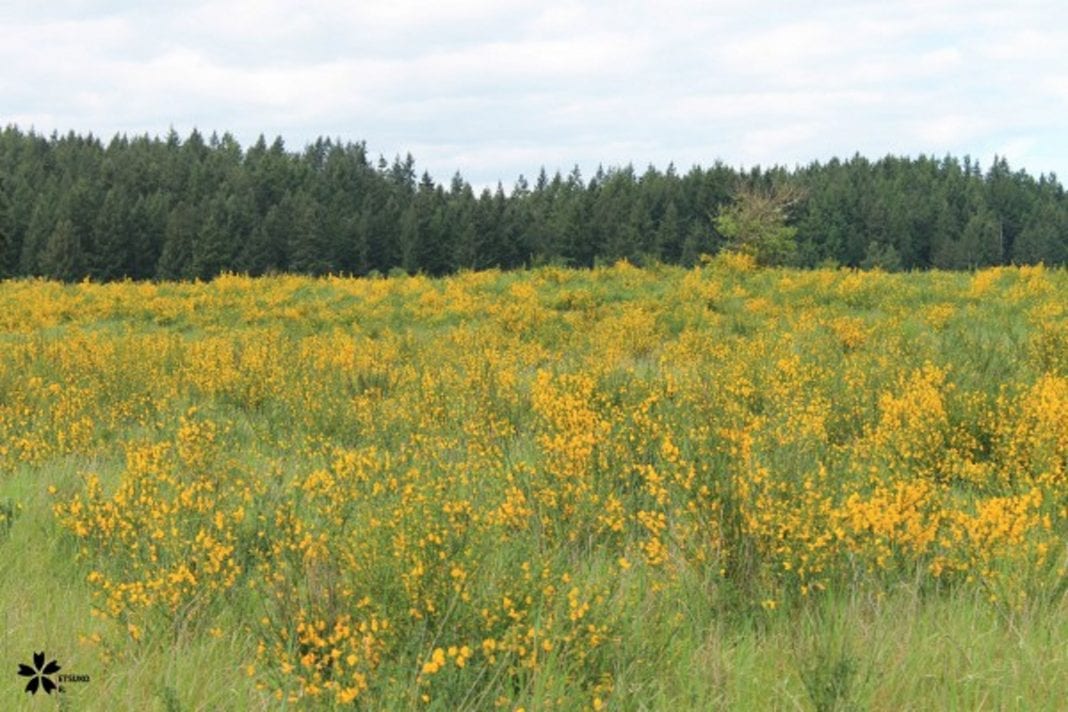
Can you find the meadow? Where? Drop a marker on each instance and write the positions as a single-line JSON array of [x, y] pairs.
[[620, 488]]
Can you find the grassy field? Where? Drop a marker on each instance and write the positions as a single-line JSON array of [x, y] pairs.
[[719, 488]]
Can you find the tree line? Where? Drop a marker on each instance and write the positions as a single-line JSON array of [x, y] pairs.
[[146, 207]]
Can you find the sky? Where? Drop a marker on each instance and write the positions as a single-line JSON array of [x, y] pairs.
[[499, 88]]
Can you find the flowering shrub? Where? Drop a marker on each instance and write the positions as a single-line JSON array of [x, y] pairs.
[[412, 492]]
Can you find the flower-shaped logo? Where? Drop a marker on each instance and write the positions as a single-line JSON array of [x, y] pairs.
[[39, 673]]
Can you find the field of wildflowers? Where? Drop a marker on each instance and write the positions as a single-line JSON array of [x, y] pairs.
[[612, 489]]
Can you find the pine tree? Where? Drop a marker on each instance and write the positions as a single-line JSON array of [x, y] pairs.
[[8, 247], [463, 209], [981, 239], [63, 257], [353, 244], [666, 242], [383, 230], [309, 251], [42, 224], [211, 248], [148, 225], [1043, 238], [408, 239], [882, 256], [112, 237], [500, 247], [697, 243], [327, 209], [433, 251], [176, 259], [266, 249], [1011, 196]]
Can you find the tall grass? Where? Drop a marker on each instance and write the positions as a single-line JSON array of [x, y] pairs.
[[622, 489]]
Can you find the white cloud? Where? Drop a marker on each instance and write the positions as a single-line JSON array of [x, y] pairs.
[[1016, 149], [496, 88], [1056, 85], [756, 144], [950, 129]]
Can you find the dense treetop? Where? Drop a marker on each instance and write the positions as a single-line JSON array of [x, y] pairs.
[[167, 208]]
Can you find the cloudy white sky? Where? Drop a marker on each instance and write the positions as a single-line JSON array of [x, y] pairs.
[[495, 88]]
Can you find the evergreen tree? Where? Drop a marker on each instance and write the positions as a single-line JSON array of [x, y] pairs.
[[499, 240], [63, 257], [467, 246], [666, 243], [383, 230], [432, 252], [408, 239], [882, 256], [981, 239], [524, 224], [8, 247], [266, 249], [309, 247], [112, 255], [149, 207], [211, 246], [176, 258], [1010, 195], [25, 195], [42, 224], [1044, 237], [575, 242], [148, 225], [698, 242]]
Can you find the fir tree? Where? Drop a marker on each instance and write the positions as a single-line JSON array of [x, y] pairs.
[[63, 257], [112, 237], [176, 258]]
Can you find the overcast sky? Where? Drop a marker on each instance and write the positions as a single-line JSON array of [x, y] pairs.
[[495, 88]]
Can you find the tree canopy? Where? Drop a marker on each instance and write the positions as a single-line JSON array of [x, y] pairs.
[[146, 207], [755, 222]]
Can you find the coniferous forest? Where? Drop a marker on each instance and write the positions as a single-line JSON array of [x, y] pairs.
[[73, 207]]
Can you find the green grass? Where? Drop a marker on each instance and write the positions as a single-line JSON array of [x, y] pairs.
[[697, 633]]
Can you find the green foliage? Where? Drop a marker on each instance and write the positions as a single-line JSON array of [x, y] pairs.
[[168, 208], [64, 257], [299, 374], [829, 668], [112, 255], [8, 512], [1043, 238], [881, 256], [176, 260], [756, 224]]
